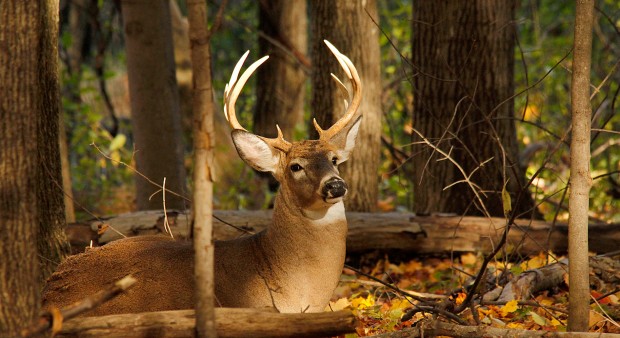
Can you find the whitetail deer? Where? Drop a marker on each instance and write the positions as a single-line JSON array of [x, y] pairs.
[[294, 265]]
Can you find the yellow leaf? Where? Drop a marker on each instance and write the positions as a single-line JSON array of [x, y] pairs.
[[546, 301], [117, 142], [395, 269], [400, 304], [515, 325], [362, 303], [555, 322], [510, 307], [116, 157], [534, 263], [338, 305], [506, 202], [595, 318], [538, 319], [531, 112], [468, 259]]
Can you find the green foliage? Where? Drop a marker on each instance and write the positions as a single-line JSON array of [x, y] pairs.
[[95, 179], [545, 31], [395, 41], [546, 36]]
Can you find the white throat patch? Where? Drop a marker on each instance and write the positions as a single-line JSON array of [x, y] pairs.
[[334, 213]]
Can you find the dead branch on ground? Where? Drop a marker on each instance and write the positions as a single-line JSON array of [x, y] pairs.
[[54, 318]]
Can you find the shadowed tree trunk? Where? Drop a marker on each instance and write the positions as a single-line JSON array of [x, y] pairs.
[[463, 58], [32, 241], [154, 98], [281, 90], [348, 27]]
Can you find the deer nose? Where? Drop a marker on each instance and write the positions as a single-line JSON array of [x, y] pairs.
[[335, 187]]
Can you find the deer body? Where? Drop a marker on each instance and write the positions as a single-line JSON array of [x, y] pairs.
[[293, 266], [293, 270]]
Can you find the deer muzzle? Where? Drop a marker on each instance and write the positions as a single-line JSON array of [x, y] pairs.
[[334, 190]]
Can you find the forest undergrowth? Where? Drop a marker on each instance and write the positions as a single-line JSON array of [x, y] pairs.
[[380, 308]]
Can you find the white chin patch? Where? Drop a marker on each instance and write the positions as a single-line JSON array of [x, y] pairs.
[[333, 200]]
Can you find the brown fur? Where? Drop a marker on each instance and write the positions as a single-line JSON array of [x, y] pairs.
[[294, 265]]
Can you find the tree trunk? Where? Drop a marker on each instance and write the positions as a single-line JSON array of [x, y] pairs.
[[224, 155], [70, 90], [203, 108], [350, 29], [67, 187], [154, 101], [281, 90], [31, 204], [463, 57], [580, 179]]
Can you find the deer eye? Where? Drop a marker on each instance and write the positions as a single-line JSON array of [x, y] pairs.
[[335, 160], [296, 167]]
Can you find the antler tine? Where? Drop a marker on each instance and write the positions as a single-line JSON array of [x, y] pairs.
[[356, 84], [231, 93], [234, 87]]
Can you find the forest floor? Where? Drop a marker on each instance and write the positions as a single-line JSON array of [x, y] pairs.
[[381, 308]]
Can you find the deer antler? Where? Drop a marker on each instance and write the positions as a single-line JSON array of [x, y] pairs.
[[231, 93], [356, 84]]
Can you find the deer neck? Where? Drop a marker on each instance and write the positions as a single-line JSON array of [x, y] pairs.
[[306, 253], [325, 225], [307, 238]]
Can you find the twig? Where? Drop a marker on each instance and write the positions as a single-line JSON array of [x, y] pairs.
[[217, 22], [53, 318], [390, 286], [524, 303], [137, 172], [422, 295], [466, 177], [166, 224]]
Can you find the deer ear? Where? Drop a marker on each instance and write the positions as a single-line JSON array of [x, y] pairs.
[[345, 139], [255, 152]]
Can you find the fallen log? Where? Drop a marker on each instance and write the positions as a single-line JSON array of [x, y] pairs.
[[371, 231], [229, 323], [603, 271]]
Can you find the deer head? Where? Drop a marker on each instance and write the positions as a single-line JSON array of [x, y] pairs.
[[307, 170]]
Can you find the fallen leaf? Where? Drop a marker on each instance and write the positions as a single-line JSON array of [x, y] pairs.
[[468, 259], [595, 318], [363, 303], [338, 305], [538, 319], [510, 307]]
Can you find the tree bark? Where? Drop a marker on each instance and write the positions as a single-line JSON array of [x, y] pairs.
[[580, 179], [351, 30], [230, 323], [67, 187], [463, 58], [281, 90], [222, 159], [154, 100], [203, 107], [32, 240]]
